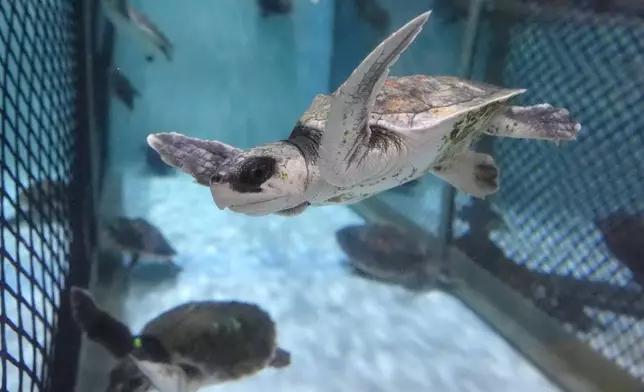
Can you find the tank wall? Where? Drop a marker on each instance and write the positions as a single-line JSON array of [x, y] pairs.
[[279, 65]]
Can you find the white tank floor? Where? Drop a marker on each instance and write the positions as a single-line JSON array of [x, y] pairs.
[[344, 333]]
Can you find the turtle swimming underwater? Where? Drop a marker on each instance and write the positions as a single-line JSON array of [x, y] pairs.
[[140, 238], [127, 20], [373, 134], [193, 345], [386, 253]]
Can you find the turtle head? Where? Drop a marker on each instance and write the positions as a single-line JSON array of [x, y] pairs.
[[262, 180], [126, 377]]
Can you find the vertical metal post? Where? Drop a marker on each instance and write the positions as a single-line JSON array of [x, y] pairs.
[[67, 338], [445, 230]]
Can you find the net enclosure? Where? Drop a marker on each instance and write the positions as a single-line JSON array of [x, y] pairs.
[[46, 211], [573, 214]]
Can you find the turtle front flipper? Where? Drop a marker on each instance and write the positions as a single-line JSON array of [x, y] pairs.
[[99, 325], [197, 157], [346, 155], [471, 172], [541, 121]]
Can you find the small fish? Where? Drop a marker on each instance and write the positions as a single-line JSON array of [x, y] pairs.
[[268, 7], [387, 254], [122, 88]]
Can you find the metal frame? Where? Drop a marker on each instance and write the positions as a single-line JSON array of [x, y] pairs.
[[83, 194]]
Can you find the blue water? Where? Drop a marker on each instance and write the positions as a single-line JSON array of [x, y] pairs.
[[245, 80]]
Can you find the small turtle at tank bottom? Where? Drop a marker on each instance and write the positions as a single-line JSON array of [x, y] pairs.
[[140, 238], [122, 88], [41, 201], [387, 254], [130, 22], [374, 133], [268, 7], [191, 346]]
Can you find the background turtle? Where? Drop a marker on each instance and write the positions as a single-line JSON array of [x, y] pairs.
[[129, 21], [388, 254], [42, 200], [188, 347], [373, 134], [138, 237]]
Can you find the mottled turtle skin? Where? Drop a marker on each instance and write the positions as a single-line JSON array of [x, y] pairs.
[[132, 23], [388, 254], [140, 238], [205, 342], [374, 133]]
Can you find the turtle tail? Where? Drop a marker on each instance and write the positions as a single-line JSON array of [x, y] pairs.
[[99, 325]]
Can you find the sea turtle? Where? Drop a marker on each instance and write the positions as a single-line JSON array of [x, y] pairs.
[[190, 346], [122, 88], [373, 134], [129, 21], [388, 254], [42, 200], [138, 237]]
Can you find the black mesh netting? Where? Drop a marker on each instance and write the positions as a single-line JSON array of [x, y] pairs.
[[38, 120], [573, 215]]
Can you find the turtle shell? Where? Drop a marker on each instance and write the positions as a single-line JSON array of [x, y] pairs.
[[418, 102], [227, 340], [383, 251], [141, 237]]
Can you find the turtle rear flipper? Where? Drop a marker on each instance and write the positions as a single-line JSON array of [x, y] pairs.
[[541, 121], [282, 358], [99, 325], [470, 172]]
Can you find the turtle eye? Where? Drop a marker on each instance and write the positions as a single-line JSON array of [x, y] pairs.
[[257, 170]]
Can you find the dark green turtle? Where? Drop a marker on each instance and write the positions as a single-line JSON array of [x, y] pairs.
[[140, 238], [193, 345], [388, 254]]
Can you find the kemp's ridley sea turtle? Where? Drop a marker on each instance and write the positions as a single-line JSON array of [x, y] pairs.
[[193, 345], [373, 134]]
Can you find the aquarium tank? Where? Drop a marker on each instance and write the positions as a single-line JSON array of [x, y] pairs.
[[322, 195]]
